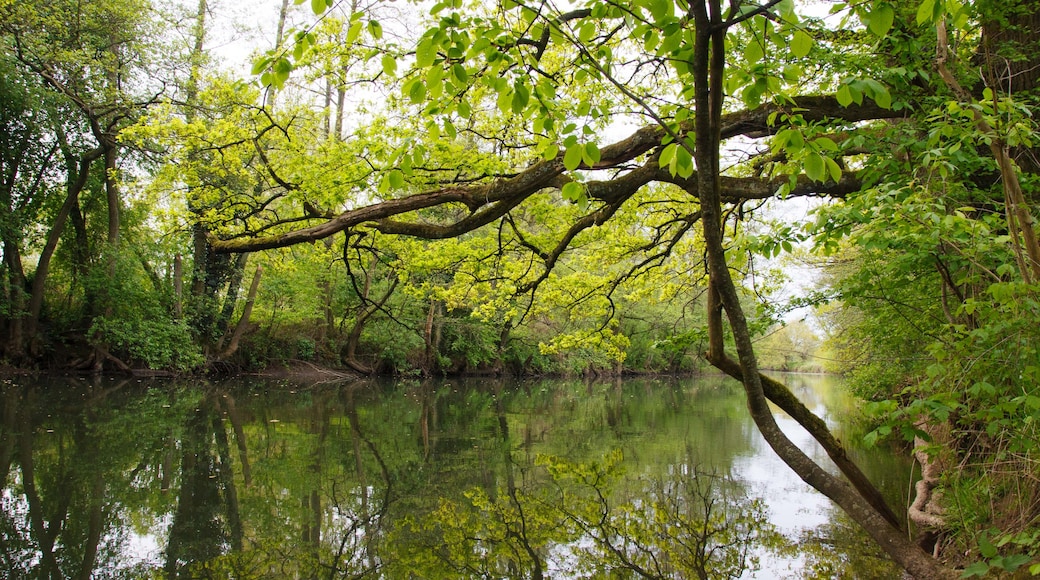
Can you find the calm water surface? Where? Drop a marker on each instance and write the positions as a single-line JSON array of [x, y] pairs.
[[457, 479]]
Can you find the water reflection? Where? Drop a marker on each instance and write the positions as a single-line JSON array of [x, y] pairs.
[[561, 479]]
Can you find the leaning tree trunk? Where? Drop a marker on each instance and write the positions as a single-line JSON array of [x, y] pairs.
[[78, 170], [243, 321], [708, 68]]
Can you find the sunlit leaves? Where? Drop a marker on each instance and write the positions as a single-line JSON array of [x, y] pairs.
[[929, 11], [319, 6], [415, 89], [578, 153], [881, 19], [393, 179], [853, 90], [754, 51], [574, 192], [801, 43], [677, 159], [276, 71], [820, 168], [389, 64]]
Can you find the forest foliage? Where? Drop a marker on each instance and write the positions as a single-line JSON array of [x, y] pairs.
[[513, 187]]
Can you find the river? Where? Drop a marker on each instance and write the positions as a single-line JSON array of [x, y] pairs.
[[668, 478]]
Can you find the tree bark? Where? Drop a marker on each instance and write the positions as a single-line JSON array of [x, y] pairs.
[[78, 171], [708, 69], [223, 321], [243, 321], [365, 311], [178, 287], [781, 396]]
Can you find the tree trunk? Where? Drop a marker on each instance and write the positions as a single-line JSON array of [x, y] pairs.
[[112, 199], [708, 69], [178, 287], [243, 321], [365, 310], [223, 321], [1010, 47], [78, 171], [781, 396], [431, 337]]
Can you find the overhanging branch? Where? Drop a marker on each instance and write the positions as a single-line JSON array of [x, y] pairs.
[[491, 200]]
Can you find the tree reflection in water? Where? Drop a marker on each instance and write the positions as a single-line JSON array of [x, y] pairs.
[[552, 479]]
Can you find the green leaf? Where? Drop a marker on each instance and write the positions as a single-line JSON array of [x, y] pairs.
[[505, 101], [279, 78], [572, 191], [572, 157], [660, 9], [883, 98], [790, 140], [425, 53], [435, 81], [521, 96], [825, 143], [815, 167], [881, 20], [871, 439], [844, 95], [416, 90], [1014, 562], [375, 29], [353, 32], [384, 184], [260, 65], [667, 154], [459, 72], [976, 569], [395, 179], [389, 64], [587, 31], [683, 163], [319, 6], [283, 65], [833, 168], [926, 11], [753, 52], [590, 154], [986, 548], [801, 43]]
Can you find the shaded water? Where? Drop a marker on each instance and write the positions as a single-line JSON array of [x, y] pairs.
[[457, 479]]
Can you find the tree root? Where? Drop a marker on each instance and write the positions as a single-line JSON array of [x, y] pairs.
[[925, 510]]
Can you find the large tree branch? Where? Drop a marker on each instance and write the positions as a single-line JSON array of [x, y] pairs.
[[489, 201]]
